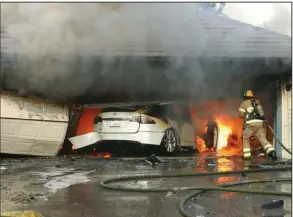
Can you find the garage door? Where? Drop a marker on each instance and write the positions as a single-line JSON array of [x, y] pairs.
[[286, 121], [32, 126]]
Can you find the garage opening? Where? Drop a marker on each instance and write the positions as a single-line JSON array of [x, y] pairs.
[[207, 127]]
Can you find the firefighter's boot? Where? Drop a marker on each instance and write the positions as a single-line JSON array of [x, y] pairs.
[[273, 155]]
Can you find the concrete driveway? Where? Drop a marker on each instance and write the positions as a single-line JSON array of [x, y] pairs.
[[69, 187]]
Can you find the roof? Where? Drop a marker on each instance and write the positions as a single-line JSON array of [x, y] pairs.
[[230, 37], [203, 33]]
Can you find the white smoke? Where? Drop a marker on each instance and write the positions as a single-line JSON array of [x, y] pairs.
[[273, 16], [105, 28], [281, 20]]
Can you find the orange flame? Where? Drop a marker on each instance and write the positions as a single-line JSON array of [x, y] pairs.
[[200, 144], [229, 141], [230, 130], [224, 133], [105, 155]]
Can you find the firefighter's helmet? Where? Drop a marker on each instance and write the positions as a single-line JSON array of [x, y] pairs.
[[248, 93]]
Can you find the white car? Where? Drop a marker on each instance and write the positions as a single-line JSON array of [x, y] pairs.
[[151, 125]]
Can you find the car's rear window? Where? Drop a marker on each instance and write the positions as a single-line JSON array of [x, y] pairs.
[[121, 109]]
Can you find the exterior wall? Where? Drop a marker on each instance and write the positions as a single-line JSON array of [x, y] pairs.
[[283, 121], [32, 126], [286, 100], [278, 123]]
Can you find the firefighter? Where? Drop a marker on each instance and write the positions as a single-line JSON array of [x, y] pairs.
[[254, 124]]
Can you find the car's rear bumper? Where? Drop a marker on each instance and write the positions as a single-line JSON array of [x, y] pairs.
[[151, 138]]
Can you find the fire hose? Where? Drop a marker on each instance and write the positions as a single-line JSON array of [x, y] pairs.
[[263, 167], [278, 140], [106, 183]]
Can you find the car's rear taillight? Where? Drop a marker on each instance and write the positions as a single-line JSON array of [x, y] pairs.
[[97, 120], [146, 120], [143, 120], [136, 119]]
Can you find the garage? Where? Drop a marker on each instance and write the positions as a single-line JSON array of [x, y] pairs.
[[224, 113]]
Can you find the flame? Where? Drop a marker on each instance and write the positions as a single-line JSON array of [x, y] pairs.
[[230, 130], [200, 144], [224, 133], [105, 155], [229, 125], [229, 140]]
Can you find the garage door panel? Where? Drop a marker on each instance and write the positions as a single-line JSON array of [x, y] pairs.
[[30, 131], [29, 108], [9, 129], [54, 112], [34, 108], [32, 126], [44, 148], [54, 133], [16, 144], [11, 106], [13, 145], [5, 145], [33, 138]]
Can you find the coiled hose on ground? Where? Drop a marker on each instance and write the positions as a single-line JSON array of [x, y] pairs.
[[264, 167]]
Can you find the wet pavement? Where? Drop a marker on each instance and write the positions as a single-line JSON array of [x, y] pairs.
[[74, 191]]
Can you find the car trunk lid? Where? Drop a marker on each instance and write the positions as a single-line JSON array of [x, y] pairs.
[[121, 120]]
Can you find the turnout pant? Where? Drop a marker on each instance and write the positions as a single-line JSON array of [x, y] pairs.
[[257, 129]]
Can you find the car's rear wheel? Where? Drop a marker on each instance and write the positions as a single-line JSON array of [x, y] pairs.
[[215, 139], [170, 142], [212, 135]]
